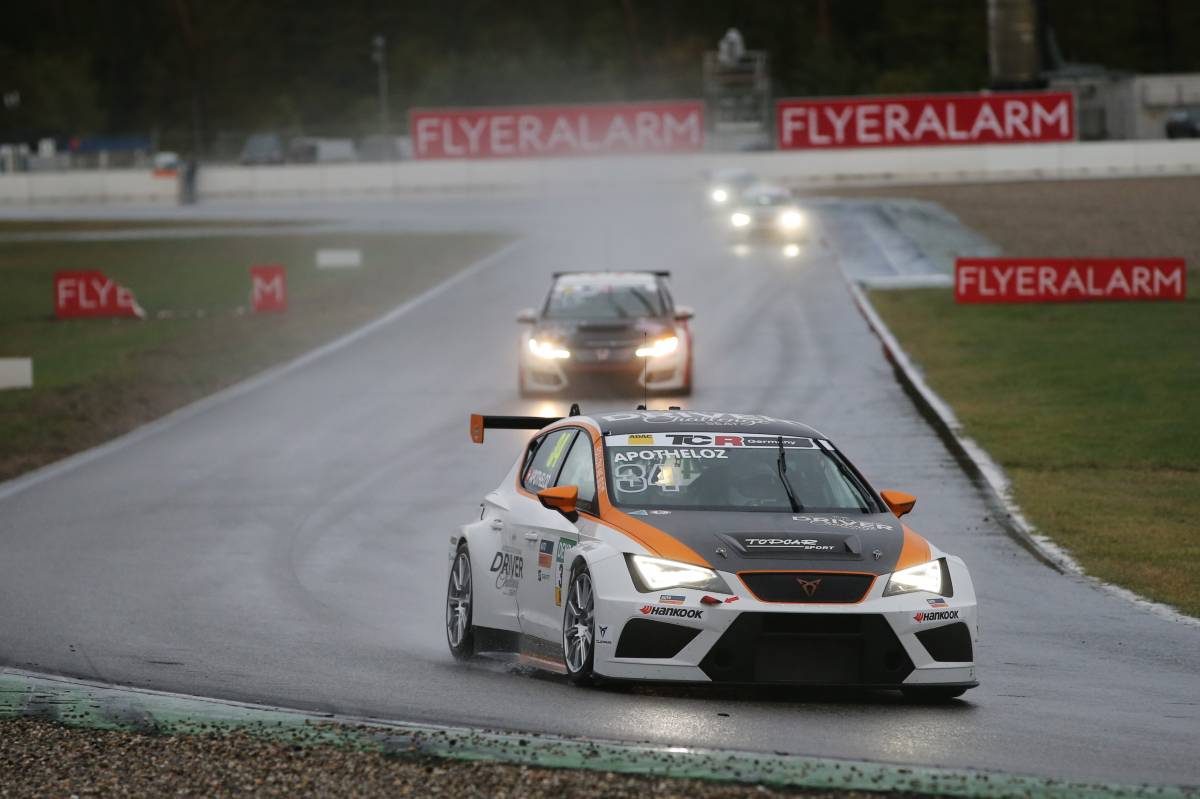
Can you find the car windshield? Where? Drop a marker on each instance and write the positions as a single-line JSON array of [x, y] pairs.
[[604, 301], [768, 199], [730, 472]]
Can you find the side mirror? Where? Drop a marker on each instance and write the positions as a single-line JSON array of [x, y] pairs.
[[560, 498], [899, 502], [526, 316], [683, 313]]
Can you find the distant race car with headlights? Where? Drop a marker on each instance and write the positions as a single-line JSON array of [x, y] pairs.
[[611, 333], [704, 547], [767, 211], [725, 186]]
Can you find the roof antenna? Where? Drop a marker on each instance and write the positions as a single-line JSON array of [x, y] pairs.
[[574, 409]]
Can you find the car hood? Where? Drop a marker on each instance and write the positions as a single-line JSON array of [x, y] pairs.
[[809, 541]]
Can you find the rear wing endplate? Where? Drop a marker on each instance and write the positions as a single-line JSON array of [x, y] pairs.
[[481, 422]]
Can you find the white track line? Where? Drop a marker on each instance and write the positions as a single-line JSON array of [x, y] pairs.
[[70, 464]]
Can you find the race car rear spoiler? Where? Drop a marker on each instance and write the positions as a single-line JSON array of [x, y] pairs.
[[656, 272], [480, 422]]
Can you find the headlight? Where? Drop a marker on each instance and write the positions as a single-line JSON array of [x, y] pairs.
[[657, 574], [932, 577], [719, 196], [791, 250], [547, 349], [663, 346], [740, 219], [791, 219]]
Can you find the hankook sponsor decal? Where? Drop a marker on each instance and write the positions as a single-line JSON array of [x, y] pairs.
[[935, 615], [684, 613], [845, 524]]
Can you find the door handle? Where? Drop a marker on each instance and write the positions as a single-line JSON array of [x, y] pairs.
[[497, 524], [531, 536]]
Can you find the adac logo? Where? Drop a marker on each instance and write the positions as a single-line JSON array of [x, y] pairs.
[[935, 615], [809, 587]]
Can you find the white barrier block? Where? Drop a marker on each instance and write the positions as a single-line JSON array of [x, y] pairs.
[[339, 259], [16, 373]]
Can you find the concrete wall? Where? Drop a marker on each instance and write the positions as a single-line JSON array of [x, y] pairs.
[[824, 168]]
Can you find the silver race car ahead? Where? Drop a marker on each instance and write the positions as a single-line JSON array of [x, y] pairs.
[[769, 212], [705, 547]]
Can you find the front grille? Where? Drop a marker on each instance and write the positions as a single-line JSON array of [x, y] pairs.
[[808, 649], [646, 638], [948, 644], [808, 587]]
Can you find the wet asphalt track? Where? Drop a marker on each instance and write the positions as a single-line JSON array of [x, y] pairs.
[[288, 545]]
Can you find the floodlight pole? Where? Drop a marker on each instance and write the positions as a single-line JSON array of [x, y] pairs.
[[379, 56]]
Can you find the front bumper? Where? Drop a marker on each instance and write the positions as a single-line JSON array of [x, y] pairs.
[[891, 642], [557, 376]]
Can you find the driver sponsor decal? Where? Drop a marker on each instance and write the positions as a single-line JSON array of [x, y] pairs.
[[545, 553], [657, 454], [845, 524], [509, 568], [935, 615], [560, 560], [785, 544], [659, 610], [671, 599]]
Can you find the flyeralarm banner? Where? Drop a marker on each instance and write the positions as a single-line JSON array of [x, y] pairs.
[[91, 294], [1008, 280], [532, 131], [925, 120]]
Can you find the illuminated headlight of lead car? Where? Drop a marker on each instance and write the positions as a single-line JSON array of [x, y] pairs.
[[660, 347], [547, 349], [932, 577], [658, 574], [719, 196], [739, 219], [791, 219]]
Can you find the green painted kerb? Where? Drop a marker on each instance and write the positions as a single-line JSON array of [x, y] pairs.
[[99, 706]]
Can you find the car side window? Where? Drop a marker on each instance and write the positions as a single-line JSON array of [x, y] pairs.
[[579, 469], [543, 469]]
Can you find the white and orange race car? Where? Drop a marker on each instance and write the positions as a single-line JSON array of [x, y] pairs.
[[705, 547]]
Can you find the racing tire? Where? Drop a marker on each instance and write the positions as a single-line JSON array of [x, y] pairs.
[[933, 694], [579, 628], [460, 596]]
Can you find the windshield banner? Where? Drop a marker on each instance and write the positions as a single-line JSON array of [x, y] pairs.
[[925, 120], [599, 129], [708, 440]]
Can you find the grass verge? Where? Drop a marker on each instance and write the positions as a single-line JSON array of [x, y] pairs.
[[1091, 409], [95, 379]]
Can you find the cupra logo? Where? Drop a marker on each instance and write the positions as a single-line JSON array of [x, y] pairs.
[[809, 586]]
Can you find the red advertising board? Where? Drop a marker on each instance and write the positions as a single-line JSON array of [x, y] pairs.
[[925, 120], [557, 130], [90, 294], [1005, 280], [268, 288]]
